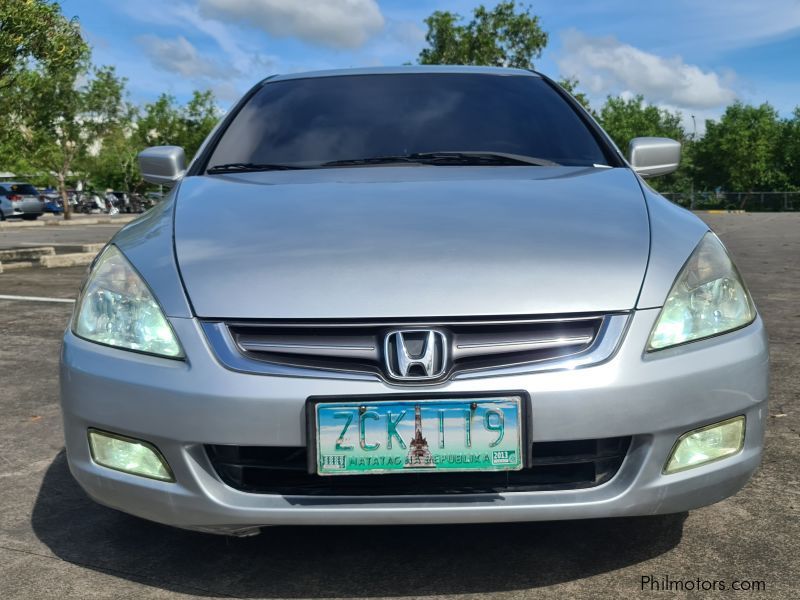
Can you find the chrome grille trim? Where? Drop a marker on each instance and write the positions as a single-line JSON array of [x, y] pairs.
[[489, 348], [548, 343], [367, 352], [263, 346], [603, 347], [239, 356]]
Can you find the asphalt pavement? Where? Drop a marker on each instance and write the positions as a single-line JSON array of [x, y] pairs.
[[55, 542]]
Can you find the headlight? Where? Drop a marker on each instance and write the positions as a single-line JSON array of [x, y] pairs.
[[116, 308], [707, 298]]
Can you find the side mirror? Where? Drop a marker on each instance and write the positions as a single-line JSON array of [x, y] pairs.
[[162, 165], [653, 156]]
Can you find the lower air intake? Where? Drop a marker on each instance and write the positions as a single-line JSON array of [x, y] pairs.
[[281, 470]]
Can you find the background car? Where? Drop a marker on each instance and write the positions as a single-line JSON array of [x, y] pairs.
[[53, 206], [19, 199], [52, 201]]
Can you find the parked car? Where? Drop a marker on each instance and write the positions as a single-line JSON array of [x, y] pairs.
[[52, 201], [412, 295], [19, 199], [129, 202], [53, 206]]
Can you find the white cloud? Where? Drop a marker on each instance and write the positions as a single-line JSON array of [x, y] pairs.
[[739, 23], [407, 33], [604, 65], [341, 24], [400, 41], [179, 55]]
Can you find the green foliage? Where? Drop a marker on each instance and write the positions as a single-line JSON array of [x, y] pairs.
[[625, 119], [34, 35], [751, 149], [501, 37], [164, 123], [742, 151], [110, 161], [788, 152], [114, 165], [571, 85], [62, 121], [34, 32]]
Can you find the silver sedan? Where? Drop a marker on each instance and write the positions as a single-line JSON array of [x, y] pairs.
[[18, 199], [412, 295]]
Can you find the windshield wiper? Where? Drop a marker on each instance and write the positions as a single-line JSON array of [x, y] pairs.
[[483, 158], [249, 168], [447, 158], [443, 158], [373, 160]]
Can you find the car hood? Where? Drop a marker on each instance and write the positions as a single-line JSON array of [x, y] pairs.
[[415, 241]]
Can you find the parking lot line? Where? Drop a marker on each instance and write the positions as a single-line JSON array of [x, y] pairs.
[[36, 299]]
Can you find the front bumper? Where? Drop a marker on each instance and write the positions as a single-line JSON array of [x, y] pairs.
[[181, 406]]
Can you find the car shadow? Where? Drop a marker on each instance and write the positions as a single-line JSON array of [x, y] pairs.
[[322, 562]]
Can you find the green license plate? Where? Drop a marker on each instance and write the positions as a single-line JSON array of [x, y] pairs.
[[363, 437]]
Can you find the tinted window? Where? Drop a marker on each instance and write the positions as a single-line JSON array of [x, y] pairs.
[[22, 189], [325, 119]]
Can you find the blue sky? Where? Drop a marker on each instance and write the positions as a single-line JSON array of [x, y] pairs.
[[692, 56]]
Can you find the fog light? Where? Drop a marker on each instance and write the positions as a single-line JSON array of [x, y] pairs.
[[707, 444], [128, 455]]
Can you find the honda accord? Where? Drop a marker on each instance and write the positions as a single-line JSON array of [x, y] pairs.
[[412, 295]]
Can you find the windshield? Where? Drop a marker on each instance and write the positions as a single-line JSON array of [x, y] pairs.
[[310, 122]]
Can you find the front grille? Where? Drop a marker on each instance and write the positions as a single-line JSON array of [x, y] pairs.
[[282, 470], [362, 348]]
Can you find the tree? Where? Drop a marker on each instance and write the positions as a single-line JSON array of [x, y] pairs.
[[501, 37], [625, 119], [200, 115], [741, 151], [62, 121], [165, 123], [628, 118], [111, 160], [34, 34], [570, 84], [162, 122], [114, 164], [789, 150]]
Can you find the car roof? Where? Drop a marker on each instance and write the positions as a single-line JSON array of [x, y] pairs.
[[405, 70]]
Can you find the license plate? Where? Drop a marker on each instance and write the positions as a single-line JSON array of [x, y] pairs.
[[362, 437]]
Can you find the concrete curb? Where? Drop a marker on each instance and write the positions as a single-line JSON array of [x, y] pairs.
[[79, 248], [15, 265], [45, 256], [67, 260], [720, 212], [27, 253], [117, 220], [20, 224]]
